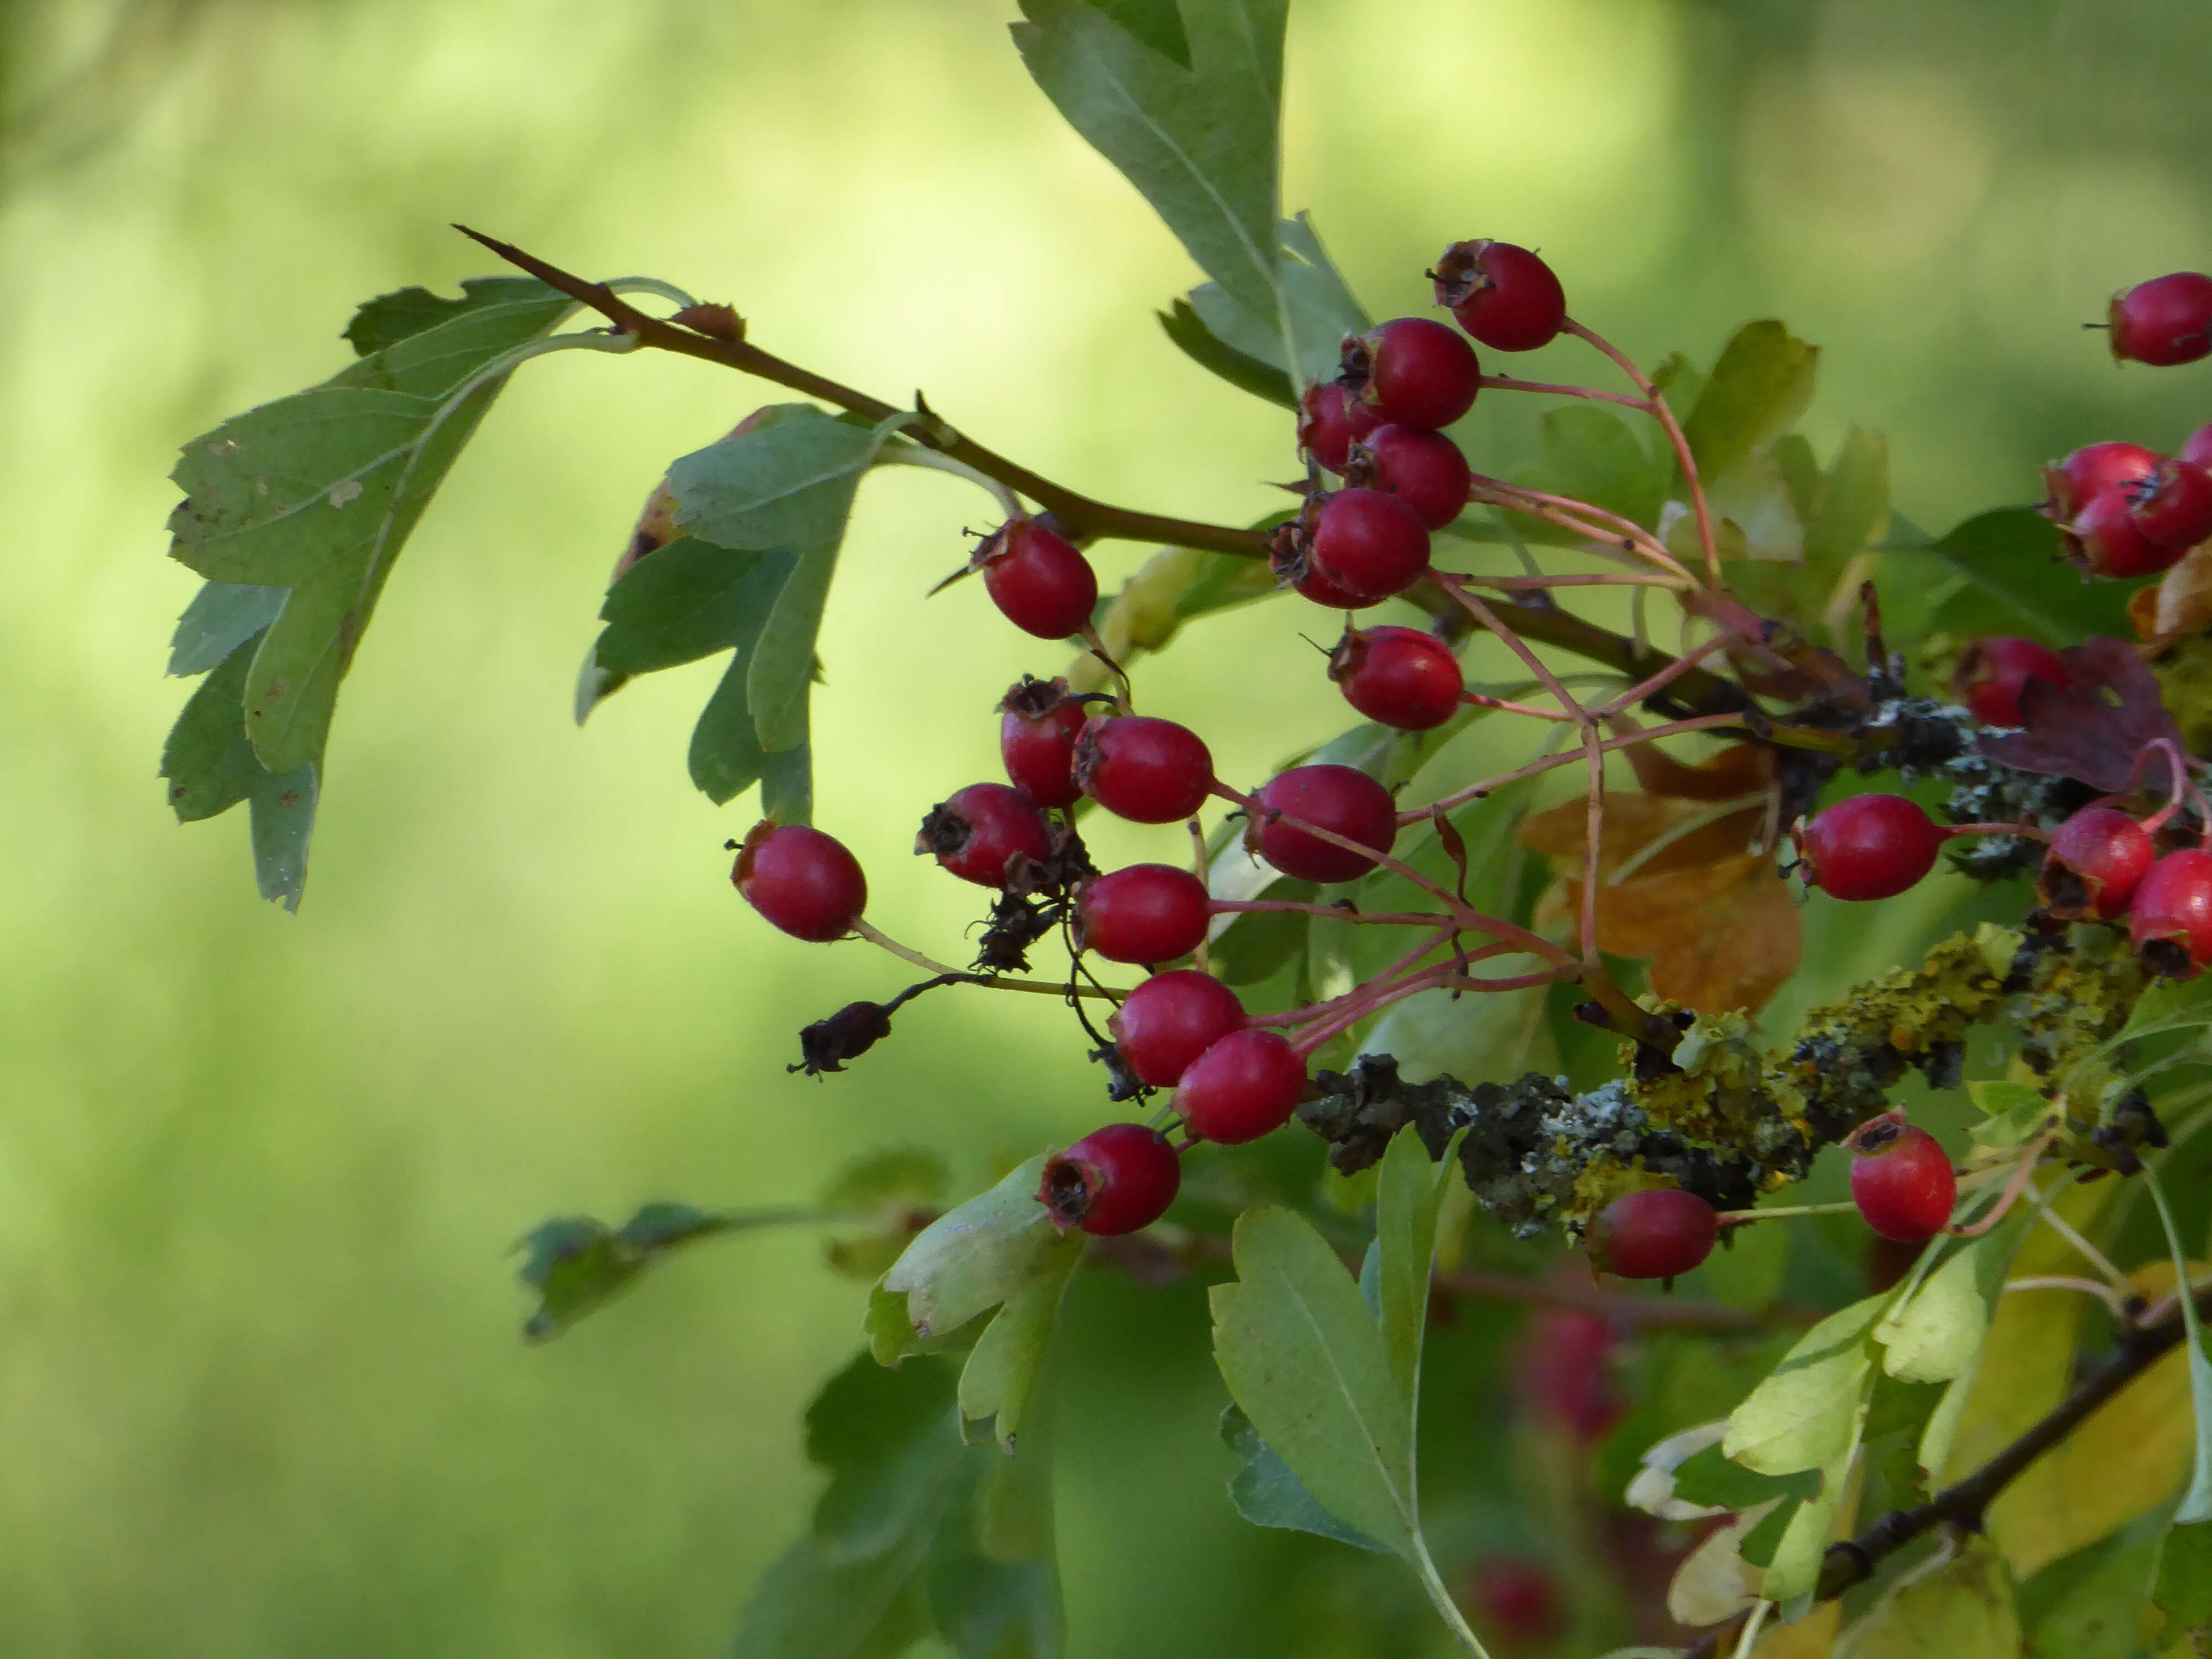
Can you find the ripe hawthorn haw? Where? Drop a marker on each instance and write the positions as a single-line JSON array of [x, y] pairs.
[[1362, 543], [1142, 913], [1146, 770], [1505, 296], [2172, 507], [1246, 1084], [1654, 1234], [1413, 371], [2170, 919], [2091, 470], [979, 831], [2106, 540], [801, 880], [1113, 1181], [1038, 579], [1037, 728], [1993, 672], [1171, 1020], [1869, 847], [1342, 800], [1330, 420], [2164, 321], [1566, 1369], [1902, 1181], [1425, 469], [1397, 677], [1320, 590], [1516, 1601], [2098, 858]]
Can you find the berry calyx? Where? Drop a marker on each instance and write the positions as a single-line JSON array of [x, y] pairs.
[[1039, 579], [1505, 296], [1363, 545], [2164, 321], [1516, 1602], [2172, 507], [1171, 1020], [1993, 672], [1413, 371], [804, 882], [1330, 420], [1425, 469], [1113, 1181], [1341, 799], [1037, 728], [1244, 1085], [1143, 914], [1869, 847], [2091, 470], [980, 832], [2170, 919], [1652, 1235], [1902, 1181], [1146, 770], [2098, 858], [2107, 541], [1398, 677]]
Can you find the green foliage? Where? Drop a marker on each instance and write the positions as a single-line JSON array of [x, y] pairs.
[[2012, 580], [1267, 1494], [1761, 385], [576, 1264], [1958, 1608], [1158, 23]]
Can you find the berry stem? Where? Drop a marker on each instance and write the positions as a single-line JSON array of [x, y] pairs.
[[1673, 728], [1660, 681], [2104, 1292], [1512, 383], [1744, 1217], [2031, 831], [1591, 523], [1672, 428], [875, 935], [1338, 912]]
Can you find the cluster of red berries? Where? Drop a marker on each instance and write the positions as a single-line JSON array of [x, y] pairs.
[[2129, 511]]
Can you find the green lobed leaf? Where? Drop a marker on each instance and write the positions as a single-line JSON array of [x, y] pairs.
[[281, 811], [221, 617], [1199, 142], [1158, 23], [1274, 354], [1211, 352], [1002, 1368], [1805, 1414], [976, 1255], [1959, 1606], [1267, 1494], [1761, 384], [894, 1179], [1794, 1569], [1302, 1356], [2012, 581], [390, 318], [2091, 1604], [577, 1264], [1937, 1335], [1409, 1191], [207, 759], [992, 1581], [1853, 507], [1708, 1477]]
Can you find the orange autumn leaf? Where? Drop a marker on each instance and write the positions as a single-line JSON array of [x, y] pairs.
[[1741, 768]]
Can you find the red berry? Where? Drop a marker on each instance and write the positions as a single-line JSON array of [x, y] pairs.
[[1146, 770], [1039, 579], [1036, 741], [981, 830], [1870, 846], [1114, 1180], [1340, 798], [1331, 421], [2197, 451], [2164, 321], [1144, 914], [1245, 1085], [1505, 296], [2091, 470], [1425, 469], [2108, 542], [1363, 542], [1516, 1602], [1171, 1020], [1902, 1182], [1652, 1235], [1412, 372], [1993, 672], [2098, 858], [1317, 587], [803, 881], [2172, 507], [1399, 677], [1566, 1369], [2171, 917]]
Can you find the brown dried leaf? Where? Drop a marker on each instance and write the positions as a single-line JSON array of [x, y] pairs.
[[1722, 936], [1632, 824], [2183, 601], [2094, 729], [1740, 769]]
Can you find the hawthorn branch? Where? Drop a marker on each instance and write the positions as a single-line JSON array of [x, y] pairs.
[[1965, 1504]]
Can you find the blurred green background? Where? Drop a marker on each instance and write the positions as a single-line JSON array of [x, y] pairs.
[[259, 1370]]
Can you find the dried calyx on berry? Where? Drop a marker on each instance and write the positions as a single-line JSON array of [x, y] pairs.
[[1038, 579], [1412, 372], [1505, 296], [1360, 545], [1113, 1181], [1017, 921], [1039, 719], [988, 834], [2098, 858]]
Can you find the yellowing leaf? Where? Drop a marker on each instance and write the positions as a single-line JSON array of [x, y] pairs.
[[1960, 1609], [2129, 1456], [1812, 1636], [1805, 1415]]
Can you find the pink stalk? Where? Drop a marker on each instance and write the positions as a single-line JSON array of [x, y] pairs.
[[1665, 416]]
